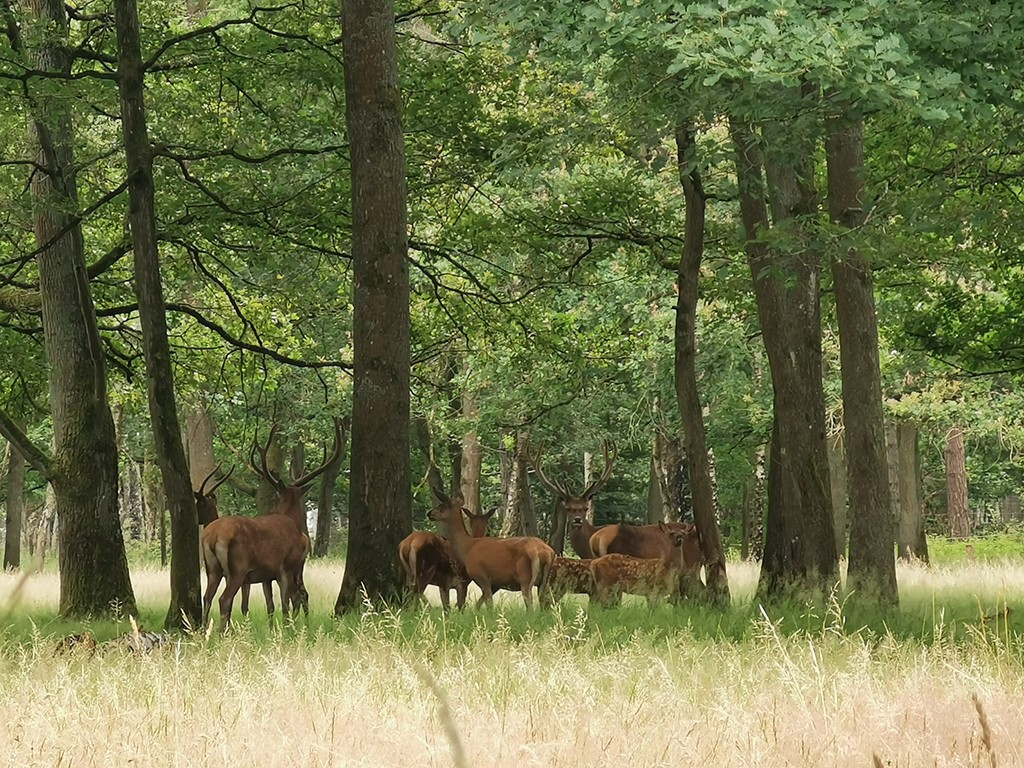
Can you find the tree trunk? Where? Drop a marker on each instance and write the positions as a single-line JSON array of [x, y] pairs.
[[296, 468], [15, 482], [655, 500], [840, 498], [266, 494], [199, 443], [93, 566], [872, 564], [380, 508], [325, 507], [956, 485], [472, 458], [800, 545], [520, 516], [185, 609], [910, 541]]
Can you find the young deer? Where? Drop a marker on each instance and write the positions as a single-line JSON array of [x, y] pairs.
[[647, 541], [616, 574], [577, 506], [566, 577], [518, 563]]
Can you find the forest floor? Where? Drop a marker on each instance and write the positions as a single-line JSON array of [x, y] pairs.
[[937, 682]]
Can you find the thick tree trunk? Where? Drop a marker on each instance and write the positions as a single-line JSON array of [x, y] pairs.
[[380, 508], [687, 395], [15, 494], [910, 540], [185, 609], [840, 497], [266, 494], [956, 485], [800, 545], [872, 564], [93, 566]]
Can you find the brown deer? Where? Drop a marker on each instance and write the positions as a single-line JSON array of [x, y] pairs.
[[566, 577], [616, 574], [429, 559], [207, 512], [262, 549], [518, 563], [647, 541], [478, 523], [577, 506]]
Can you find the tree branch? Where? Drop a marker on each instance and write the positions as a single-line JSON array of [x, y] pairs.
[[36, 459]]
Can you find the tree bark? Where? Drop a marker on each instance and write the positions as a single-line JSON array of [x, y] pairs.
[[185, 609], [266, 494], [520, 516], [655, 500], [872, 564], [472, 458], [325, 508], [687, 394], [838, 474], [799, 545], [910, 541], [15, 482], [956, 485], [83, 472], [380, 507], [199, 443]]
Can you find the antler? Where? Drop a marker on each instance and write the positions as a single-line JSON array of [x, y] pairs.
[[611, 453], [339, 444], [202, 486], [558, 489], [262, 469]]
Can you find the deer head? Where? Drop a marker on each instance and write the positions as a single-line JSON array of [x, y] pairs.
[[576, 505], [289, 495], [478, 523], [206, 500]]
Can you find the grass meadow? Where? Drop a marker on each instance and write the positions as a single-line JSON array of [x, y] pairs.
[[937, 683]]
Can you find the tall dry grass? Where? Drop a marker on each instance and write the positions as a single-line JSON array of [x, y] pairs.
[[579, 688]]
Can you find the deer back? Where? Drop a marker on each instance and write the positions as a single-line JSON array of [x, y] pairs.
[[644, 541]]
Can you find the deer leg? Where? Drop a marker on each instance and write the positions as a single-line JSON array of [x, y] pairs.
[[268, 595], [486, 598], [212, 582], [443, 591], [460, 593], [227, 600], [245, 599]]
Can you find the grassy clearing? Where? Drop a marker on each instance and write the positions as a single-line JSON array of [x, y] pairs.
[[936, 683]]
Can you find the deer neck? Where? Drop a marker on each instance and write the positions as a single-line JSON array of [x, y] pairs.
[[460, 539]]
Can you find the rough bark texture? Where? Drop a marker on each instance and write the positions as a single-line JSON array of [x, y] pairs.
[[672, 469], [956, 485], [15, 495], [872, 563], [840, 496], [266, 494], [185, 609], [799, 546], [199, 442], [687, 395], [520, 516], [93, 565], [910, 539], [380, 507], [655, 501]]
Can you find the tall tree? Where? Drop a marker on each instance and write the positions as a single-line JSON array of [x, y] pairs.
[[956, 484], [687, 394], [872, 563], [83, 470], [380, 506], [14, 465], [185, 609], [910, 536]]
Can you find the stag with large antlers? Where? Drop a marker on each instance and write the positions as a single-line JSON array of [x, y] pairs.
[[577, 506], [263, 549], [518, 564]]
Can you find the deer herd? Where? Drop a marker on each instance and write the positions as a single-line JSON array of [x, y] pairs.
[[655, 561]]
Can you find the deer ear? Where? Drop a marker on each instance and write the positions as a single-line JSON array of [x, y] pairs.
[[662, 528]]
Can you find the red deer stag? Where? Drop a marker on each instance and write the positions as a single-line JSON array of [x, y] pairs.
[[207, 512], [577, 506], [616, 574], [518, 563], [566, 577], [263, 549]]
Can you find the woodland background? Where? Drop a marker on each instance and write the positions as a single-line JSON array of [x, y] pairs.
[[546, 218]]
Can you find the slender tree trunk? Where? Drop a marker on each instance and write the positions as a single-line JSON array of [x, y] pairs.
[[472, 458], [799, 545], [380, 508], [15, 482], [93, 565], [520, 516], [872, 564], [325, 508], [956, 485], [840, 497], [266, 494], [655, 500], [185, 609], [910, 541]]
